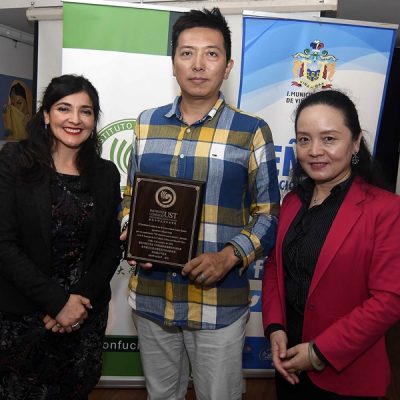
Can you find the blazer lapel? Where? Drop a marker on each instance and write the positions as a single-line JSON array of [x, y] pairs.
[[98, 198], [286, 217], [42, 198], [347, 216]]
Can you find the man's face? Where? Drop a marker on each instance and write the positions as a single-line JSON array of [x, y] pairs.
[[200, 63]]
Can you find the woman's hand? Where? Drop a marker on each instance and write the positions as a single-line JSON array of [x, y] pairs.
[[51, 324], [74, 312], [278, 340], [298, 359]]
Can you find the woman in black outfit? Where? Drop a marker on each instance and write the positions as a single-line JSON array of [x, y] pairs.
[[59, 248]]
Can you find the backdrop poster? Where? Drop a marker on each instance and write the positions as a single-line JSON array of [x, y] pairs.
[[15, 107], [285, 59], [125, 51]]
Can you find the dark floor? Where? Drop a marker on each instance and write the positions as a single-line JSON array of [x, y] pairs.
[[264, 388], [256, 389]]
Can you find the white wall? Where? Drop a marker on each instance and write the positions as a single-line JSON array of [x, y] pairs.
[[16, 58]]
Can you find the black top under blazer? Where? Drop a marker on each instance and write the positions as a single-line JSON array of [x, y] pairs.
[[25, 239]]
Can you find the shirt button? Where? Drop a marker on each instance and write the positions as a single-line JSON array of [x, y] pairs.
[[182, 156], [174, 274], [188, 130]]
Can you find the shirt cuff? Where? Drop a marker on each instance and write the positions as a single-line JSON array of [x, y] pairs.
[[319, 354], [124, 220], [272, 328]]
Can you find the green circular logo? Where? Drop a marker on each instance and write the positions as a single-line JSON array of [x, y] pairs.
[[116, 140]]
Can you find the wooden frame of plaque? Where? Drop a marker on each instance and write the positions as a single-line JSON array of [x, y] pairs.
[[164, 219]]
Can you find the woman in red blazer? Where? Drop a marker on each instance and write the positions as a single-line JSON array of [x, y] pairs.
[[331, 286]]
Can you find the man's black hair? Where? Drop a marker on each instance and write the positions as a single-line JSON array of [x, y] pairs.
[[212, 19]]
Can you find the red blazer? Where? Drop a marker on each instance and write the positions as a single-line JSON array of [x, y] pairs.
[[354, 295]]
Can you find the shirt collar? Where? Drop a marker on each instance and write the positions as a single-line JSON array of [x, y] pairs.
[[176, 112], [306, 188]]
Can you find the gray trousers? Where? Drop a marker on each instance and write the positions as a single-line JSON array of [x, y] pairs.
[[215, 357]]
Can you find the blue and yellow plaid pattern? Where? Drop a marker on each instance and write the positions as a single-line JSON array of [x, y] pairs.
[[233, 153]]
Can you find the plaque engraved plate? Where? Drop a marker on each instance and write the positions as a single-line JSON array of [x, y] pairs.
[[164, 219]]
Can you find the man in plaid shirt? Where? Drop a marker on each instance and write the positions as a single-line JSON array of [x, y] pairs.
[[198, 315]]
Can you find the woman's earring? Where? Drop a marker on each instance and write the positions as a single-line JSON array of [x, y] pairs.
[[92, 134], [45, 127], [355, 159]]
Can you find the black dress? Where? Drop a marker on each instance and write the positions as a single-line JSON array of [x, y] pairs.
[[36, 364]]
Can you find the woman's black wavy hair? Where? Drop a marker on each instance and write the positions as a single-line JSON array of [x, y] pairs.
[[36, 150]]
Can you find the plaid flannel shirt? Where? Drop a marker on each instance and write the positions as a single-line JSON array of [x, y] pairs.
[[233, 153]]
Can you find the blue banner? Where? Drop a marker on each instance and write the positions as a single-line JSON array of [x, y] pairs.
[[286, 59]]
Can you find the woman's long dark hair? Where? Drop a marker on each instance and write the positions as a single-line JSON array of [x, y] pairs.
[[341, 102], [35, 156]]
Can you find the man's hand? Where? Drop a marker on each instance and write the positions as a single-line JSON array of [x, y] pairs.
[[209, 268], [124, 235], [122, 238]]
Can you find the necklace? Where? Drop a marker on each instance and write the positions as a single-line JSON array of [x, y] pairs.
[[315, 200]]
